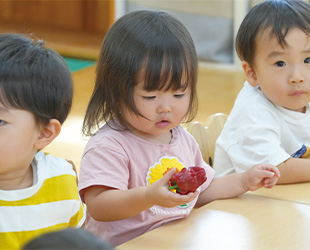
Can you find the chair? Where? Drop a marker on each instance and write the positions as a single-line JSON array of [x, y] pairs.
[[207, 134]]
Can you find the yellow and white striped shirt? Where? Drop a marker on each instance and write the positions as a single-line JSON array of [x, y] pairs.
[[52, 203]]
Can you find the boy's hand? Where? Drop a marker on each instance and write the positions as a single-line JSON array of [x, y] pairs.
[[262, 175], [159, 194]]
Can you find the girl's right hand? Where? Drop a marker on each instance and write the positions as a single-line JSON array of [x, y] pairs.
[[159, 194]]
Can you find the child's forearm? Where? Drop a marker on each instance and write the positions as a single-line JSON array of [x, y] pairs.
[[220, 188], [107, 204], [261, 175], [294, 170], [113, 204]]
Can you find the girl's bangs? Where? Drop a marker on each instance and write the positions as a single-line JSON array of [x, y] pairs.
[[170, 71]]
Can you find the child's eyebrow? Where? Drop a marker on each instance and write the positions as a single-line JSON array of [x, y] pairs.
[[306, 51], [275, 53], [184, 86], [279, 53], [3, 110]]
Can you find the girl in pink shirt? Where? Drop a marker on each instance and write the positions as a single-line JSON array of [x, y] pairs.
[[145, 88]]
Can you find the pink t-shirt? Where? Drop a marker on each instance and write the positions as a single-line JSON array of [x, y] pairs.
[[122, 160]]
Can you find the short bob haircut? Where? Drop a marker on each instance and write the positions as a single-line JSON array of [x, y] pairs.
[[277, 15], [34, 78], [151, 44]]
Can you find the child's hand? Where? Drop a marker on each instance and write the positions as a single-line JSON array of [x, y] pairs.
[[262, 175], [159, 194]]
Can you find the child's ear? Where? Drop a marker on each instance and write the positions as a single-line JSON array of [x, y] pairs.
[[48, 133], [250, 75]]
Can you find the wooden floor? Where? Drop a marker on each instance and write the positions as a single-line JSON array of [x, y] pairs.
[[217, 90]]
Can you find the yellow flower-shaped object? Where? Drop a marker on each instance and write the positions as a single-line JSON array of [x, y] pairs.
[[160, 168]]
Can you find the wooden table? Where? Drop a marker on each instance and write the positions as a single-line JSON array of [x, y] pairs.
[[291, 192], [249, 222]]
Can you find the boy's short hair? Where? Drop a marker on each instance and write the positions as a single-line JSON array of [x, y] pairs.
[[277, 15], [34, 78]]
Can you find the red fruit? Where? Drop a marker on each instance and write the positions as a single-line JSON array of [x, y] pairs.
[[188, 180]]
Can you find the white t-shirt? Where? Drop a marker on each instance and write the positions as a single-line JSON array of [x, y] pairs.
[[258, 131], [121, 160]]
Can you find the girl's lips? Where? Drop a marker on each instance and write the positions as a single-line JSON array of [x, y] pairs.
[[298, 93], [162, 124]]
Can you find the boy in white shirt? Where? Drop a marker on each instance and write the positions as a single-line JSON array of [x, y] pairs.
[[270, 121]]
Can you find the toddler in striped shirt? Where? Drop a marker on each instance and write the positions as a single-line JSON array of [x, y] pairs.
[[38, 192]]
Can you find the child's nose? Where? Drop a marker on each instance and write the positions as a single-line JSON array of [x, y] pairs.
[[296, 76], [164, 107]]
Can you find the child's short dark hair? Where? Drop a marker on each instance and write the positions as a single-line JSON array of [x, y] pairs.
[[34, 78], [151, 44], [69, 238], [277, 15]]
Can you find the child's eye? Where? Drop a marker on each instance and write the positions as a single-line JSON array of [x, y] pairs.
[[307, 60], [149, 97], [280, 64], [2, 122], [178, 96]]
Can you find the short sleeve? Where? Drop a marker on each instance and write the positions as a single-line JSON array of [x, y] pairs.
[[104, 166], [259, 142]]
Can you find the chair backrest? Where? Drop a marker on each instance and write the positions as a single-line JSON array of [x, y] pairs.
[[207, 134]]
